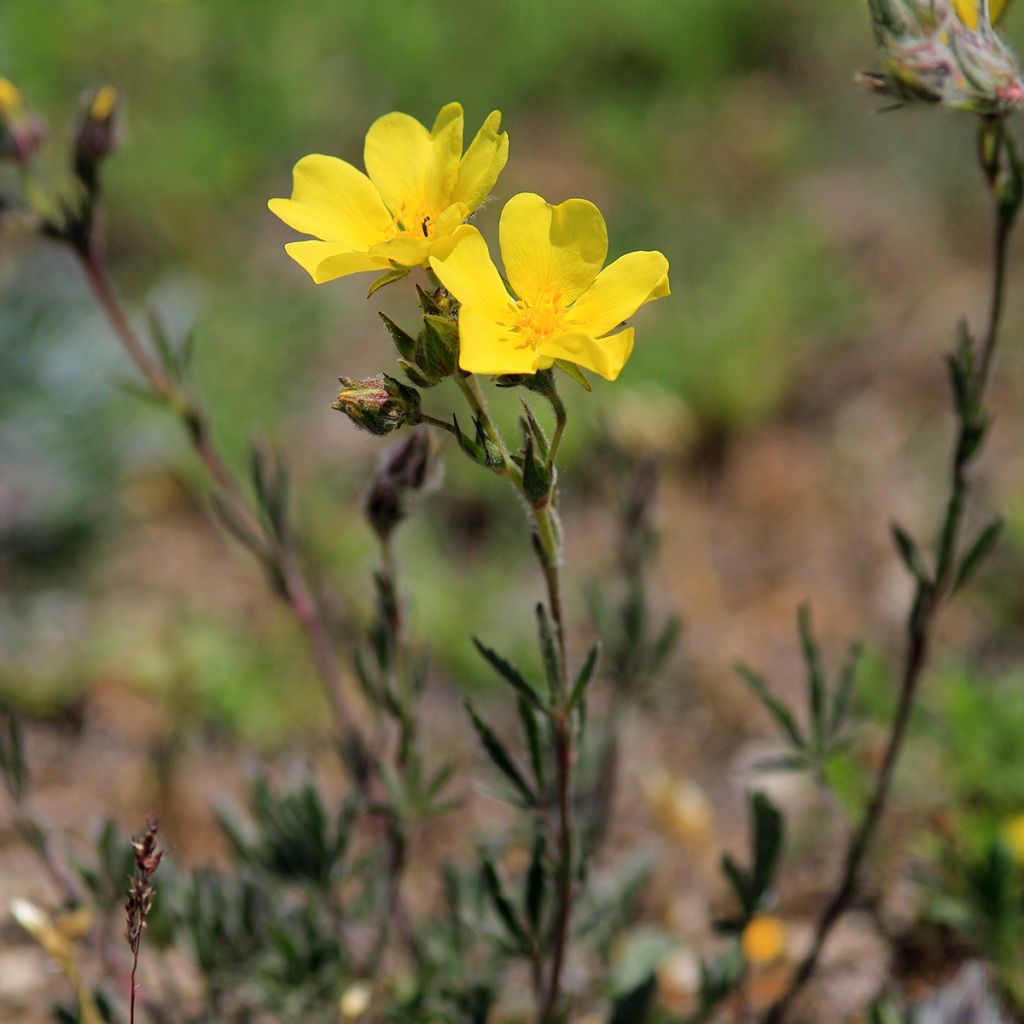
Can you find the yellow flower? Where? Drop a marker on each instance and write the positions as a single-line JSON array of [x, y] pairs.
[[11, 100], [566, 304], [420, 188], [1014, 834], [969, 11], [763, 940]]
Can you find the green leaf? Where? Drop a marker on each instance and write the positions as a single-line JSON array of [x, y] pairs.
[[388, 278], [978, 552], [575, 372], [843, 697], [532, 738], [537, 478], [815, 677], [509, 673], [536, 883], [775, 707], [909, 554], [427, 302], [586, 673], [495, 890], [532, 428], [768, 832], [404, 342], [549, 652], [502, 759]]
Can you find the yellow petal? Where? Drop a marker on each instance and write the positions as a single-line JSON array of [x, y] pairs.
[[327, 261], [333, 201], [415, 169], [619, 291], [484, 161], [551, 250], [486, 345], [464, 266], [605, 356], [407, 252], [969, 11]]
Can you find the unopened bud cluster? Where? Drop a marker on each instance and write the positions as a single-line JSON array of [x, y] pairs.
[[378, 405], [930, 55]]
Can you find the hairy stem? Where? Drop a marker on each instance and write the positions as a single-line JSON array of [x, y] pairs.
[[296, 589], [930, 596]]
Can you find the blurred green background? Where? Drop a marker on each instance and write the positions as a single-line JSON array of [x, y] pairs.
[[800, 227]]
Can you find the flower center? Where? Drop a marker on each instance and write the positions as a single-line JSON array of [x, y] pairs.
[[537, 322], [411, 221]]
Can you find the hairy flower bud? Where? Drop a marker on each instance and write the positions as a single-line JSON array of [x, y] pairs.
[[403, 473], [21, 132], [378, 405], [930, 55], [98, 133]]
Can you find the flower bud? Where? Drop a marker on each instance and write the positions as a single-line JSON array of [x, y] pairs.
[[378, 405], [21, 132], [98, 134], [930, 55], [403, 473]]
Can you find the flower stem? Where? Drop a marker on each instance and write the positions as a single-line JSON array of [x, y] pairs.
[[296, 590], [930, 595]]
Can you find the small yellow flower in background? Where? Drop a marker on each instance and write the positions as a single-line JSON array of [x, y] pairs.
[[680, 808], [355, 1000], [763, 940], [420, 187], [566, 305], [103, 103], [1014, 835], [969, 11], [11, 99]]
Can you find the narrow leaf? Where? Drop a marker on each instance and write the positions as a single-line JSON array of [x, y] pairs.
[[509, 673], [775, 707], [815, 676], [575, 372], [502, 759], [978, 552], [387, 278], [585, 675], [502, 904]]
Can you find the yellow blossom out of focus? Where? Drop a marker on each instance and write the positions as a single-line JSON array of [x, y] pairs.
[[103, 103], [763, 940], [680, 808], [969, 11], [11, 99], [1014, 835], [355, 1000]]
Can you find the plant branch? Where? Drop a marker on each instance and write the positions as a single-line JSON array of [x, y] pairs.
[[931, 592], [279, 555]]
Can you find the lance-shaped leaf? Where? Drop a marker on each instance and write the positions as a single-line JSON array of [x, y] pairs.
[[503, 907], [509, 673], [549, 651], [910, 554], [502, 759], [586, 673], [978, 552], [782, 715], [536, 886], [387, 278]]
